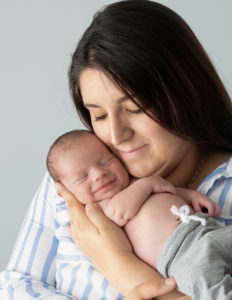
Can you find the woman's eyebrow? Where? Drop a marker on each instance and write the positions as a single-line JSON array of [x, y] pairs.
[[91, 105], [118, 101], [123, 99]]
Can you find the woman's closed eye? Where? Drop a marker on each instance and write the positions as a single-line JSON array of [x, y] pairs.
[[98, 118], [132, 107], [134, 111], [96, 115], [103, 116]]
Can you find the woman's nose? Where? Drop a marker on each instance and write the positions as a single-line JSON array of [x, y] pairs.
[[120, 130]]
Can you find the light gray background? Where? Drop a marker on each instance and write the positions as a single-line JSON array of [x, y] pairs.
[[36, 42]]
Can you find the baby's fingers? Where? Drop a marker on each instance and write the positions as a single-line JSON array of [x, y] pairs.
[[213, 209], [217, 210], [166, 187], [171, 189]]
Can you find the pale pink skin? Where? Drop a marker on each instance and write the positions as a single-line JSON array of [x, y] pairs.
[[90, 171], [93, 174]]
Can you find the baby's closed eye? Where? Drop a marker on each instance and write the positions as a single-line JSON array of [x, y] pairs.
[[80, 178], [107, 161]]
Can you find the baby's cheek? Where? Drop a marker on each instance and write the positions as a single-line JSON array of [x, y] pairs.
[[83, 195], [124, 177]]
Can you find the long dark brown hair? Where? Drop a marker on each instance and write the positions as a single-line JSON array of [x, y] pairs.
[[153, 56]]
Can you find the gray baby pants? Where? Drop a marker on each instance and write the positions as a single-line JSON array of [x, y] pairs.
[[200, 259]]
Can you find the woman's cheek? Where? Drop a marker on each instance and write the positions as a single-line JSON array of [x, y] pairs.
[[102, 133]]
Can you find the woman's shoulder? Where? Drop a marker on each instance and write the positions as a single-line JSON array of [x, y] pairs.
[[47, 190], [219, 178], [43, 202], [218, 187]]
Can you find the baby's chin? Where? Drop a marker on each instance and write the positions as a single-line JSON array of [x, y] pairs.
[[108, 195]]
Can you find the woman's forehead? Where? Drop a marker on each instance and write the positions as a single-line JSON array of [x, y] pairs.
[[95, 85]]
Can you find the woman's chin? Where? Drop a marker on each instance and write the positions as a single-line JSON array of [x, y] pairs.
[[139, 171]]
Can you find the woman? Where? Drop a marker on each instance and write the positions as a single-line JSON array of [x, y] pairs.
[[140, 78]]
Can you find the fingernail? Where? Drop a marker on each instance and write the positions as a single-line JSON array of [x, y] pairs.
[[169, 281], [59, 194], [90, 205]]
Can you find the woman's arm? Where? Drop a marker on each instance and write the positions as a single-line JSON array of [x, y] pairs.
[[107, 246], [32, 267]]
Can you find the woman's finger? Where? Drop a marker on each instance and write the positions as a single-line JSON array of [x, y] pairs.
[[76, 209], [69, 198], [96, 216], [107, 229], [151, 289]]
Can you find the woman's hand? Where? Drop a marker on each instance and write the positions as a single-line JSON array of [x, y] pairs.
[[151, 289], [97, 237], [107, 246]]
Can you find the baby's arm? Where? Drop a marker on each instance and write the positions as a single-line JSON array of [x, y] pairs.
[[125, 205], [199, 202]]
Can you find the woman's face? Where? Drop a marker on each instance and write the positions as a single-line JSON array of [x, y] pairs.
[[141, 143]]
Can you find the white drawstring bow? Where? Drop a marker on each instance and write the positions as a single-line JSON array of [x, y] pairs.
[[183, 213]]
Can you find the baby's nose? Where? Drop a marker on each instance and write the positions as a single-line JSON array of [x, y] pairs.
[[97, 174]]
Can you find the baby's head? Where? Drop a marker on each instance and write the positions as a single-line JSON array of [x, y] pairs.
[[80, 161]]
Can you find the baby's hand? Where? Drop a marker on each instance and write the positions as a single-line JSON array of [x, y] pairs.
[[204, 204], [160, 185], [118, 211], [199, 202]]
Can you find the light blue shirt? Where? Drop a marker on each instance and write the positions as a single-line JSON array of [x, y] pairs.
[[46, 264], [218, 187]]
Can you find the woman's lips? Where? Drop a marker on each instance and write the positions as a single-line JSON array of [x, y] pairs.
[[133, 153]]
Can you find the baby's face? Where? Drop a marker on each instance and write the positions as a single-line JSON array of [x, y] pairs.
[[91, 172]]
